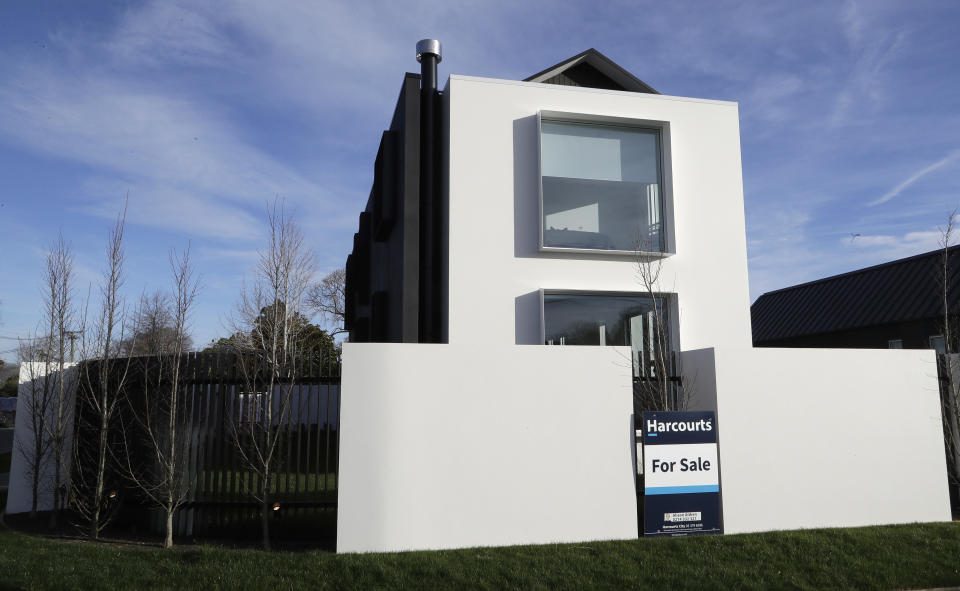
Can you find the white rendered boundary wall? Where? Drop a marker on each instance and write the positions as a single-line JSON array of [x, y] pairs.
[[825, 437], [32, 377], [449, 446]]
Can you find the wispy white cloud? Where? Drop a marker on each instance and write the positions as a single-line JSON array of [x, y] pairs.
[[853, 22], [909, 243], [230, 254], [173, 154], [770, 97], [872, 50], [874, 248], [776, 235], [165, 33], [916, 176], [161, 206]]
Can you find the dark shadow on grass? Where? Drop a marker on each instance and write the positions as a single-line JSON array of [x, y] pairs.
[[290, 533]]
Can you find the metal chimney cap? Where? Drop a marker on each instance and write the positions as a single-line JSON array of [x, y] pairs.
[[425, 46]]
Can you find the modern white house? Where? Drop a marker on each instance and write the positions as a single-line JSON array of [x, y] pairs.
[[507, 216]]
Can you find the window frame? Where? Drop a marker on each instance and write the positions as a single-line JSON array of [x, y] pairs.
[[669, 300], [665, 189]]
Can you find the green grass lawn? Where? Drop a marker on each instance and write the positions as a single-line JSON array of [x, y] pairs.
[[889, 557]]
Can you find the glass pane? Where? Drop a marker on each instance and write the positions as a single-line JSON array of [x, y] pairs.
[[588, 319], [601, 187]]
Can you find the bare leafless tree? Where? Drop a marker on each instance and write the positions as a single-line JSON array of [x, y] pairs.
[[48, 408], [327, 298], [33, 443], [270, 311], [951, 363], [154, 330], [102, 388], [661, 384], [61, 312], [159, 414]]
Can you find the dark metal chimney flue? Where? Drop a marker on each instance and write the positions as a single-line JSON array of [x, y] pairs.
[[428, 54]]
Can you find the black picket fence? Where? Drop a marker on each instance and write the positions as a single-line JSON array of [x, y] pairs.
[[654, 392], [946, 379], [221, 393]]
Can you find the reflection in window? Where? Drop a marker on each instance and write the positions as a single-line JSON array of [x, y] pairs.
[[895, 344], [599, 319], [601, 187]]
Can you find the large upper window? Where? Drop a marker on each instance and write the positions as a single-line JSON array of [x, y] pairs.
[[601, 187]]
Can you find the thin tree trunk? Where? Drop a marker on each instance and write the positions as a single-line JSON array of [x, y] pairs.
[[953, 420], [98, 491], [36, 491], [54, 515], [265, 512], [168, 542], [58, 455]]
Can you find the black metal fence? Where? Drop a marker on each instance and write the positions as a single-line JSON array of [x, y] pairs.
[[951, 440], [221, 487], [659, 392]]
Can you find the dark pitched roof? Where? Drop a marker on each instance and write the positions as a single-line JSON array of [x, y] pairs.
[[899, 291], [591, 69]]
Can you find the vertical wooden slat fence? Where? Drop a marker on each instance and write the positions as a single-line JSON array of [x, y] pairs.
[[219, 500]]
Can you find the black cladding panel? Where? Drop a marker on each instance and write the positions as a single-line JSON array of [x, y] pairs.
[[379, 316], [361, 331], [386, 186], [383, 289], [350, 295], [361, 253]]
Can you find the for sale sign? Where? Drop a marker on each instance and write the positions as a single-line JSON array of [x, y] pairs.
[[681, 470]]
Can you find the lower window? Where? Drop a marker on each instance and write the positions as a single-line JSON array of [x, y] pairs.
[[633, 320]]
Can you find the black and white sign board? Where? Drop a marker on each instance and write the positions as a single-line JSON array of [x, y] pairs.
[[681, 469]]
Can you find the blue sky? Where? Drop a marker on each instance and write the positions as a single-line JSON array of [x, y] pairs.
[[205, 111]]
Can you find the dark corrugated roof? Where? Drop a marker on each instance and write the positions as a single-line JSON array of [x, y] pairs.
[[899, 291], [591, 69]]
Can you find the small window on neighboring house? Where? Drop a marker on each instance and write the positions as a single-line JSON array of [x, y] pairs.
[[895, 344], [601, 187], [937, 344]]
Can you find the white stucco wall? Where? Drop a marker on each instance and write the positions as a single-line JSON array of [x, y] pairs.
[[20, 492], [486, 441], [825, 437], [496, 268], [447, 446]]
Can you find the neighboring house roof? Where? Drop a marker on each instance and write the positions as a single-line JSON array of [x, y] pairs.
[[591, 69], [899, 291]]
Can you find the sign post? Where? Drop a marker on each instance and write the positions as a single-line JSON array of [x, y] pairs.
[[681, 470]]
